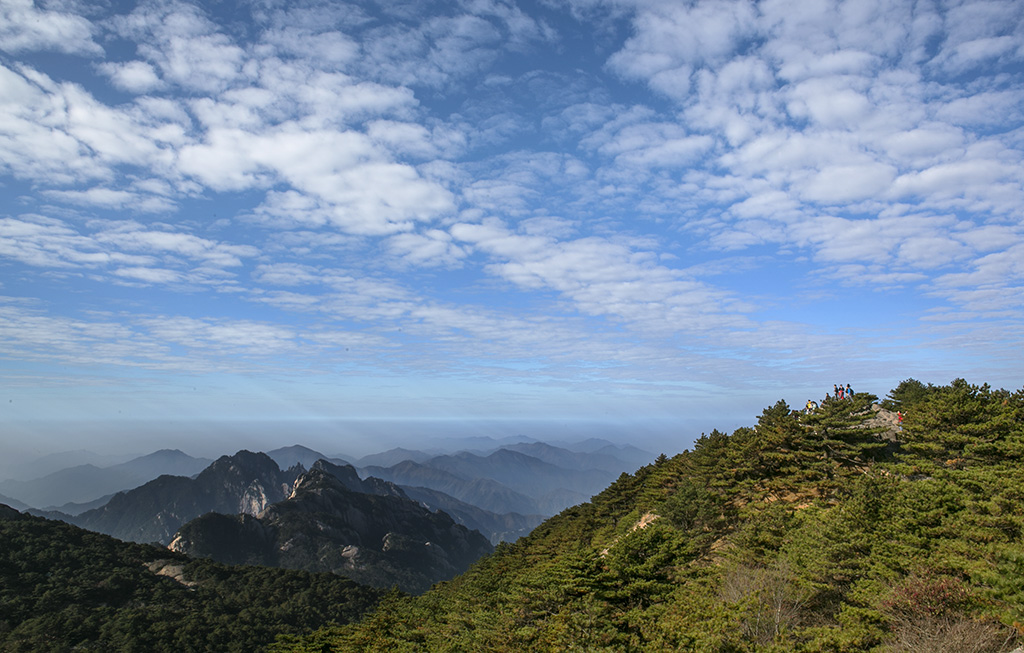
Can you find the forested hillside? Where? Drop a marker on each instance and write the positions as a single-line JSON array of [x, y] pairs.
[[824, 531], [63, 588]]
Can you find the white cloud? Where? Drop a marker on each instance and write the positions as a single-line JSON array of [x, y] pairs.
[[34, 142], [148, 275], [847, 183], [133, 237], [431, 248], [604, 278], [436, 53], [830, 103], [257, 338], [954, 178], [358, 189], [123, 249], [133, 76], [306, 41], [185, 45], [672, 38], [406, 139], [24, 27], [113, 199], [647, 145], [984, 109], [844, 145], [286, 274]]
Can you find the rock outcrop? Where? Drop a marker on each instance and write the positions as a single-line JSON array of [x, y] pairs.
[[246, 483], [331, 522]]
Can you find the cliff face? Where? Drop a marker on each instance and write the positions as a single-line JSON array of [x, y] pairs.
[[328, 524], [243, 483]]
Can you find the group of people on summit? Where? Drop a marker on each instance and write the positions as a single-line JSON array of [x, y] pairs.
[[845, 393], [840, 393]]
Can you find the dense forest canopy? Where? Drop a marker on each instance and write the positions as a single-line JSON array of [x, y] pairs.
[[835, 529], [63, 588]]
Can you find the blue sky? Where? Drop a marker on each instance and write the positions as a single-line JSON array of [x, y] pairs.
[[569, 210]]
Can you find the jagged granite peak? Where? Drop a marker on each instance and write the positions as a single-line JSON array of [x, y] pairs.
[[347, 474], [245, 482], [287, 457], [380, 540], [349, 477]]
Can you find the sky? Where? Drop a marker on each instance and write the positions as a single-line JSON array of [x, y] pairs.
[[630, 216]]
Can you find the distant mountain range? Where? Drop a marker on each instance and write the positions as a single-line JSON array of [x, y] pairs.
[[411, 518], [246, 482], [369, 531], [485, 493], [54, 462], [503, 527], [393, 457], [529, 478], [503, 492], [87, 482], [297, 454], [13, 503]]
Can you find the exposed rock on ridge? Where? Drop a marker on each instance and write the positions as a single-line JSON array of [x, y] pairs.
[[246, 482], [331, 523]]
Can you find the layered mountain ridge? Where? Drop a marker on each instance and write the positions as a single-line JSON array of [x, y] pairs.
[[246, 482], [84, 483], [369, 531]]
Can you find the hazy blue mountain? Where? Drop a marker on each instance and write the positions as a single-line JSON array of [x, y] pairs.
[[297, 454], [349, 477], [574, 460], [506, 527], [324, 525], [55, 462], [557, 500], [87, 482], [525, 474], [589, 445], [13, 503], [243, 483], [511, 481], [474, 443], [485, 493], [79, 483], [165, 461], [393, 457], [79, 508], [634, 457]]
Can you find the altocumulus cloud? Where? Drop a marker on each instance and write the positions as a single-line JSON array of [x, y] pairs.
[[632, 199]]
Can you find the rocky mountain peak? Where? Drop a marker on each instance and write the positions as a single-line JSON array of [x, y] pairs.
[[334, 521]]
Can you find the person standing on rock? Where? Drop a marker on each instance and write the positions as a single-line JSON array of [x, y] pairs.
[[849, 392]]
